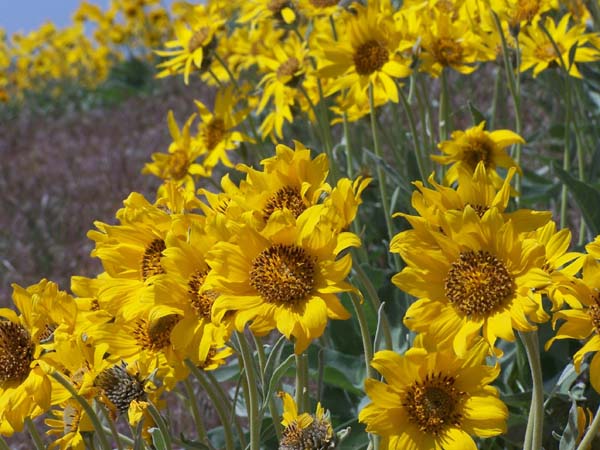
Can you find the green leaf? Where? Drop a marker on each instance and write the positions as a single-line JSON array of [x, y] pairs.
[[158, 440], [476, 115], [278, 373], [586, 196]]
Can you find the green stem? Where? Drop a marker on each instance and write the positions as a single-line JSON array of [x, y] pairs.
[[413, 132], [592, 432], [112, 428], [568, 123], [301, 383], [373, 298], [229, 73], [514, 87], [233, 418], [217, 402], [494, 107], [380, 171], [35, 435], [162, 425], [262, 364], [349, 168], [535, 426], [104, 442], [3, 444], [444, 107], [364, 334], [200, 428], [252, 401]]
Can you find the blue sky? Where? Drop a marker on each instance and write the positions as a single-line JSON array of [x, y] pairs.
[[27, 15]]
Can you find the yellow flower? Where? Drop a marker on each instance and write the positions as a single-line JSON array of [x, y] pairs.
[[467, 148], [180, 292], [68, 424], [258, 11], [26, 348], [583, 322], [447, 43], [561, 265], [476, 190], [303, 431], [291, 180], [216, 130], [476, 278], [368, 55], [130, 254], [194, 41], [522, 12], [285, 66], [432, 399], [179, 163], [286, 277], [538, 51]]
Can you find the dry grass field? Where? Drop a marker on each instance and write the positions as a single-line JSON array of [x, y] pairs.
[[61, 172]]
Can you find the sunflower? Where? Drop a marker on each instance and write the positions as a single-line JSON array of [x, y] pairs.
[[476, 190], [448, 43], [68, 424], [368, 56], [303, 431], [477, 277], [285, 277], [522, 12], [194, 42], [180, 292], [144, 341], [432, 399], [583, 322], [285, 67], [130, 253], [26, 347], [467, 148], [216, 130], [561, 265], [179, 164], [539, 52], [291, 180], [281, 12]]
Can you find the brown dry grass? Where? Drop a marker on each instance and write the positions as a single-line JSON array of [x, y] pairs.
[[61, 173]]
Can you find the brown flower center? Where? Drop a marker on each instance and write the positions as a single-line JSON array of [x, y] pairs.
[[479, 209], [178, 165], [525, 10], [157, 335], [288, 68], [214, 133], [323, 3], [547, 52], [434, 404], [594, 312], [198, 38], [283, 274], [478, 283], [370, 57], [447, 51], [151, 259], [275, 6], [120, 387], [201, 301], [287, 197], [16, 352], [480, 148]]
